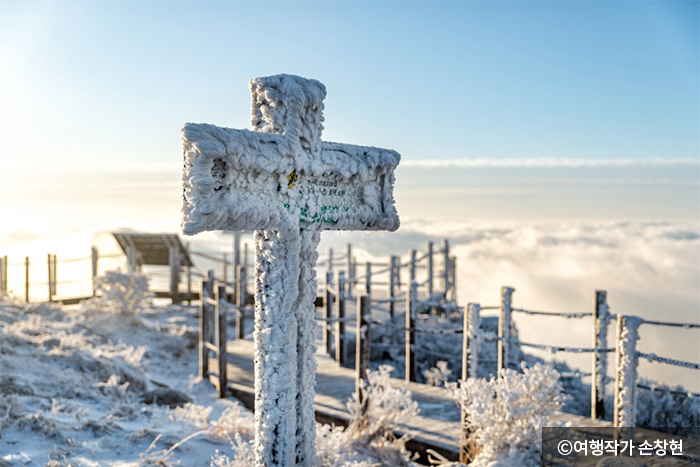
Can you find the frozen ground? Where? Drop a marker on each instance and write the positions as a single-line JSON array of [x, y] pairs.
[[78, 386], [73, 383], [74, 387]]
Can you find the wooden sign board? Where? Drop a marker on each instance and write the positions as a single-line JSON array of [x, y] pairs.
[[264, 183]]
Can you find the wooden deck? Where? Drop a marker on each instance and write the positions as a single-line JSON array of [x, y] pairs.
[[437, 426]]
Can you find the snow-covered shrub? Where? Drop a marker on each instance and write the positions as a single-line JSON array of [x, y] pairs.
[[234, 421], [438, 375], [672, 412], [506, 414], [383, 407], [121, 293], [335, 447], [196, 416], [367, 442], [243, 454]]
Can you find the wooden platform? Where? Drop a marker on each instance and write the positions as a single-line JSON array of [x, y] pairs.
[[437, 426]]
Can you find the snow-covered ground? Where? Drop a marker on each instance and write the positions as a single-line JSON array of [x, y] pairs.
[[113, 382], [73, 385]]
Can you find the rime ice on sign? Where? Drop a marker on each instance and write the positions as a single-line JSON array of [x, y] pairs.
[[241, 179], [286, 183]]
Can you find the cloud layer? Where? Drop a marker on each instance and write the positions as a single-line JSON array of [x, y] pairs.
[[650, 269], [551, 162]]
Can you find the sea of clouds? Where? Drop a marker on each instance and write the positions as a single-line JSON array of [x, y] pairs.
[[649, 269]]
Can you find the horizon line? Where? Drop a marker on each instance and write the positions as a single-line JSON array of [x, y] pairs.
[[549, 162]]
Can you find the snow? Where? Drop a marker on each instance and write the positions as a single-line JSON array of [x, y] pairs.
[[73, 380], [74, 383]]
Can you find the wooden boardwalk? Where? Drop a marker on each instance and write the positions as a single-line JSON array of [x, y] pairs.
[[437, 426]]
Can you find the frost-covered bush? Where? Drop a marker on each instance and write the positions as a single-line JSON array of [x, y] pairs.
[[379, 407], [438, 375], [368, 441], [234, 421], [672, 412], [335, 447], [193, 415], [121, 293], [506, 414], [243, 454]]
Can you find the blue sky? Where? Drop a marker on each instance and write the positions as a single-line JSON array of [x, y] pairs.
[[105, 86]]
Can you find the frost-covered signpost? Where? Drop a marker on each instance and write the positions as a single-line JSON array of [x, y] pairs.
[[285, 183]]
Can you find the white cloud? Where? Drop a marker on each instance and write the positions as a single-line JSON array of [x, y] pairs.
[[649, 269]]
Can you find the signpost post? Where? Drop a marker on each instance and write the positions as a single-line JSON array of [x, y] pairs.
[[288, 185]]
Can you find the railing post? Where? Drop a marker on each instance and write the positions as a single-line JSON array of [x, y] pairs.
[[411, 265], [340, 315], [221, 338], [453, 280], [368, 278], [330, 259], [626, 360], [50, 276], [240, 301], [470, 342], [188, 271], [362, 346], [132, 260], [55, 279], [26, 278], [446, 266], [236, 259], [94, 256], [2, 276], [430, 270], [175, 268], [600, 360], [470, 368], [328, 312], [203, 332], [504, 328], [224, 268], [393, 260], [350, 271], [410, 332]]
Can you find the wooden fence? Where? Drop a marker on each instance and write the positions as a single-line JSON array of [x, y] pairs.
[[334, 317], [418, 282], [52, 281]]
